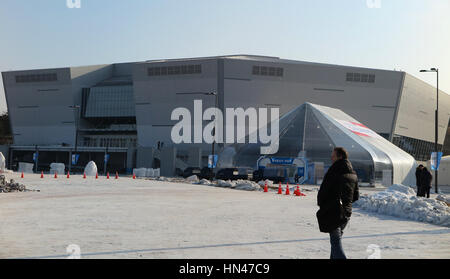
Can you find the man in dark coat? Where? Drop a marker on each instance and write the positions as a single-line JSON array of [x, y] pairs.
[[338, 191], [419, 173], [426, 178]]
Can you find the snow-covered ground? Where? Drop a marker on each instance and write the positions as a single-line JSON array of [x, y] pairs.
[[128, 218]]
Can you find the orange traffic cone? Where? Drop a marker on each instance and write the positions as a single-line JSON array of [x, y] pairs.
[[68, 174], [56, 174], [21, 175], [300, 193], [265, 188], [297, 191], [287, 189], [42, 174], [117, 175], [107, 175], [84, 175], [279, 189], [96, 175]]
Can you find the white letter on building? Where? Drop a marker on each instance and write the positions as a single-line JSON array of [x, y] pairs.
[[198, 121], [184, 125], [216, 125], [241, 115], [274, 137]]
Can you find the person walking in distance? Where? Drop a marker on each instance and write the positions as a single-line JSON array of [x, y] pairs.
[[427, 177], [419, 173], [337, 192]]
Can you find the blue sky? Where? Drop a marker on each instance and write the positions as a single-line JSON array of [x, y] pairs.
[[405, 35]]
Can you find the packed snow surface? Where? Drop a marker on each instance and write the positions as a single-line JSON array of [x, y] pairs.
[[168, 218], [401, 201]]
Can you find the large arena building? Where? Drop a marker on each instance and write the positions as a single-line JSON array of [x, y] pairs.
[[125, 109]]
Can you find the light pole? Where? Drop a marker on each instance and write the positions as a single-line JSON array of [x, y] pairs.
[[436, 125], [77, 107], [213, 93]]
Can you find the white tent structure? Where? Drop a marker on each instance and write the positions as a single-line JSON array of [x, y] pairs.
[[312, 131]]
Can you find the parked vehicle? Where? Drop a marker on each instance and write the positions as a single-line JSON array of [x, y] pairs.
[[189, 171], [275, 174], [206, 173], [235, 173]]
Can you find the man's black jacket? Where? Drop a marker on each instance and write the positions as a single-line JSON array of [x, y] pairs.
[[338, 191]]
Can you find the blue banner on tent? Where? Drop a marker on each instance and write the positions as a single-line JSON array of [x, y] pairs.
[[75, 158], [436, 160], [212, 161]]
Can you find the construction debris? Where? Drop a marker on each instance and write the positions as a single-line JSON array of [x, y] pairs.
[[12, 186]]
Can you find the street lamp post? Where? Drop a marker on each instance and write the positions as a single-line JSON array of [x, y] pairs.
[[213, 93], [436, 125], [77, 107]]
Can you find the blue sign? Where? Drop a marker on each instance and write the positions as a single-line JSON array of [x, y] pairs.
[[281, 161], [212, 161], [435, 160], [301, 172], [75, 158], [106, 158], [35, 156]]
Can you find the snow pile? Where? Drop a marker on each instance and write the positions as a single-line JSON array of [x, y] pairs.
[[223, 183], [247, 185], [2, 162], [91, 169], [57, 167], [443, 198], [204, 182], [401, 201], [240, 184], [262, 183], [192, 178]]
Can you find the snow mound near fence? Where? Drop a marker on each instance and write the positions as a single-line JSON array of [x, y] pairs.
[[239, 184], [262, 183], [401, 201]]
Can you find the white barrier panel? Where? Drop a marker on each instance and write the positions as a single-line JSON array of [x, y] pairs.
[[143, 172], [57, 167], [140, 172], [149, 173], [26, 167], [157, 172]]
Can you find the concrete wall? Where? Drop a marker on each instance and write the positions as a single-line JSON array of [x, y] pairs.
[[416, 116], [39, 111], [373, 104], [156, 97]]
